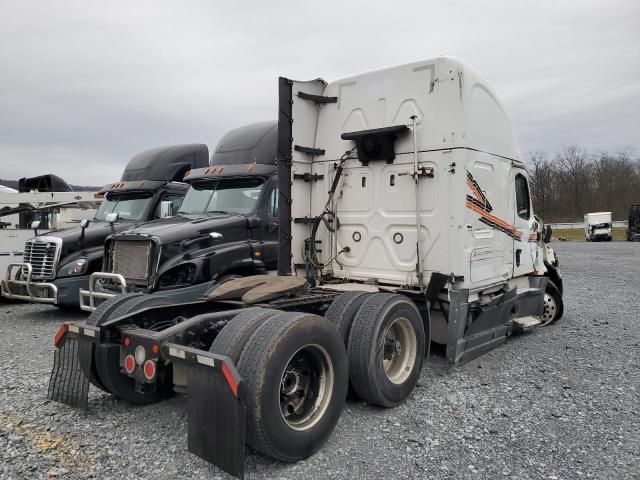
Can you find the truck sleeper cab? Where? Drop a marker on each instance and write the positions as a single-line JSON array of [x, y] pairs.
[[226, 226], [405, 218], [58, 265]]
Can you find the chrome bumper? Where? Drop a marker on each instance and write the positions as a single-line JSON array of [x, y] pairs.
[[38, 292], [88, 297]]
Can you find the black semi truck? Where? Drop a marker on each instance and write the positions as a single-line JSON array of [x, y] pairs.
[[57, 265], [227, 226]]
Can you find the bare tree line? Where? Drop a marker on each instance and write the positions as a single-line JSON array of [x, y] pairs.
[[576, 181]]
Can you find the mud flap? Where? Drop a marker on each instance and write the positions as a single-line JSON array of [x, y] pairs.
[[217, 418], [68, 383]]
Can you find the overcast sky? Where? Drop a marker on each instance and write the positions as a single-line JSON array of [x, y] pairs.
[[86, 85]]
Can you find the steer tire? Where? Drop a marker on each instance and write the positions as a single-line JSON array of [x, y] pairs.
[[304, 354], [341, 313], [397, 319], [553, 305], [235, 335], [86, 350]]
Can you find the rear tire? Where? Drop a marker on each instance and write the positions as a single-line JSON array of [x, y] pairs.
[[295, 373], [341, 313], [553, 304], [86, 350], [235, 335], [343, 310], [108, 363], [386, 349]]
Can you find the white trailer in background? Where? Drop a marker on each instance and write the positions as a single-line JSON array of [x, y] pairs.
[[597, 227], [52, 211]]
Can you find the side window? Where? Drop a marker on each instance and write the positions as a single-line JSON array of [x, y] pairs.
[[522, 197], [272, 203], [175, 199]]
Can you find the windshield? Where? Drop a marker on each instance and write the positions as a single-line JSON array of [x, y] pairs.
[[128, 206], [228, 195]]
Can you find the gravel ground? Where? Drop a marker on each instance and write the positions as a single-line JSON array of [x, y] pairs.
[[559, 402]]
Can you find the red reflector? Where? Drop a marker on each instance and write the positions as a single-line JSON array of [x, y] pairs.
[[230, 380], [126, 341], [149, 369], [59, 335], [155, 348], [129, 364]]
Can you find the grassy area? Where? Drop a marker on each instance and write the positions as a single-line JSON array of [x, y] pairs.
[[577, 234]]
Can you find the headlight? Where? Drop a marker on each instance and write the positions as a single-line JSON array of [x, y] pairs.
[[78, 267]]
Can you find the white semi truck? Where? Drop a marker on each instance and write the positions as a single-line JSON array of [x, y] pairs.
[[405, 219], [597, 227]]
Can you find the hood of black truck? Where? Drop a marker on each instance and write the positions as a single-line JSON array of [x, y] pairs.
[[184, 228], [94, 236]]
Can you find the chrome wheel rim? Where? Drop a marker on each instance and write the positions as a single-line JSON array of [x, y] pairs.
[[306, 385], [399, 350], [550, 309]]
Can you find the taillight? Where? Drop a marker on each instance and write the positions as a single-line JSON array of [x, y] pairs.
[[149, 369], [126, 341], [155, 348], [129, 364]]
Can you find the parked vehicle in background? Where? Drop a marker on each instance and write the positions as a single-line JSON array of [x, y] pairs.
[[633, 225], [56, 266], [226, 226], [404, 218], [46, 202], [597, 227]]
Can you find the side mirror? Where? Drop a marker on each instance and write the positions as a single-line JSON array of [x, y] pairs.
[[112, 217], [546, 233], [166, 209], [84, 223], [35, 225]]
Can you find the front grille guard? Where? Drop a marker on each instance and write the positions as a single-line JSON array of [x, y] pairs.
[[10, 283], [37, 254], [88, 297]]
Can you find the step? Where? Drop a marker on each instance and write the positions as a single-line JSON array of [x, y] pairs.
[[525, 323]]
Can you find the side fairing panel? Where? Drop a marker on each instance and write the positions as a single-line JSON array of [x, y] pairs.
[[489, 213]]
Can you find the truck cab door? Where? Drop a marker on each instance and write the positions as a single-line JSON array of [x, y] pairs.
[[524, 234], [268, 212]]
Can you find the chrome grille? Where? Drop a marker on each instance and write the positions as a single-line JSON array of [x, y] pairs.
[[132, 260], [42, 254]]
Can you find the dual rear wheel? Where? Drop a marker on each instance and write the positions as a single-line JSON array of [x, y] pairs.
[[296, 366]]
